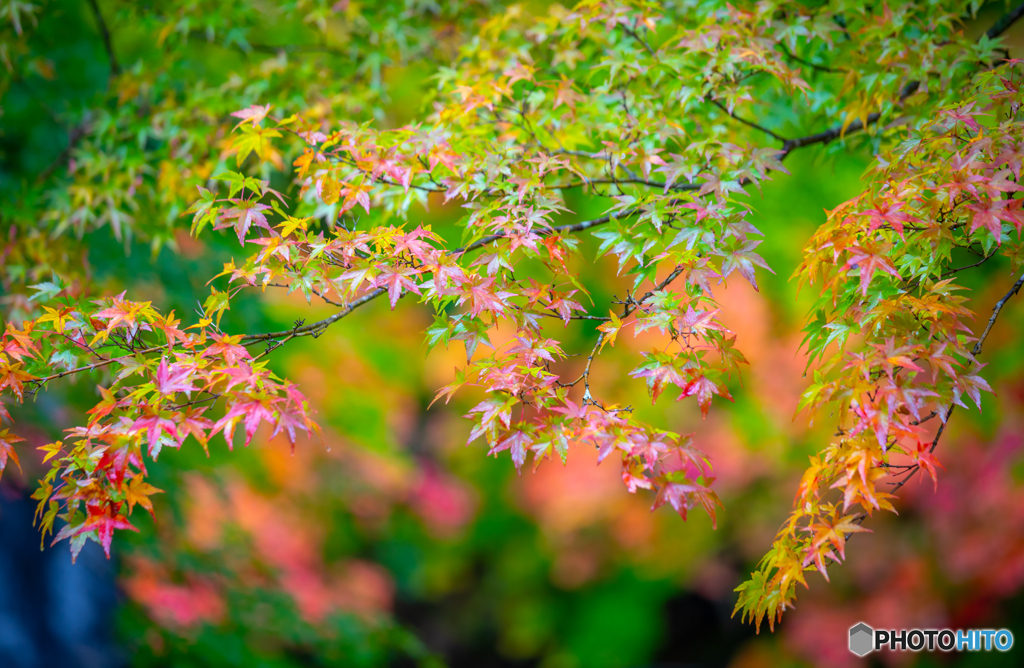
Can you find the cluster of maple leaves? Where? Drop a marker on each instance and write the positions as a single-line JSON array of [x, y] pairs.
[[167, 380], [653, 111], [904, 351]]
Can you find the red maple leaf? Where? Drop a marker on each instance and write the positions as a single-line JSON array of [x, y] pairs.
[[869, 262], [743, 259], [242, 217], [396, 280], [254, 113], [227, 347], [925, 458], [483, 297], [518, 442], [704, 388], [964, 114], [171, 378], [7, 441]]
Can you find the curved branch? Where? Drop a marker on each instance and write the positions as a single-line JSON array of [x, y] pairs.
[[115, 67], [996, 310], [1005, 21]]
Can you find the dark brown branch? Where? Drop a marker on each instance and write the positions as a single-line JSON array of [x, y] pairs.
[[838, 131], [74, 136], [631, 305], [996, 310], [748, 122], [319, 326], [316, 328], [115, 67], [1005, 21], [995, 314], [633, 33], [813, 66], [640, 182], [983, 260], [789, 145]]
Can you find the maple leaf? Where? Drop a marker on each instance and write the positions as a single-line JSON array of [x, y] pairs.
[[679, 167], [964, 114], [657, 376], [704, 388], [926, 459], [869, 262], [242, 217], [13, 377], [683, 496], [138, 492], [518, 442], [155, 427], [169, 327], [18, 344], [714, 183], [565, 94], [57, 316], [832, 533], [972, 385], [174, 378], [573, 411], [356, 194], [743, 259], [254, 139], [889, 214], [105, 407], [450, 389], [254, 113], [114, 461], [534, 349], [610, 330], [251, 412], [7, 441], [288, 421], [227, 347], [698, 322], [633, 477], [990, 214], [492, 411], [100, 520], [482, 296], [395, 280], [193, 423]]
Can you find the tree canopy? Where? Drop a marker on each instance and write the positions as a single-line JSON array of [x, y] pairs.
[[532, 141]]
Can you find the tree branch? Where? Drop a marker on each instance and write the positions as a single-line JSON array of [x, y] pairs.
[[747, 122], [996, 310], [789, 145], [1005, 21], [820, 68], [115, 67]]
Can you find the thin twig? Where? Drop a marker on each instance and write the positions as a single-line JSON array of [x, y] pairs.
[[748, 122], [996, 310], [115, 67], [820, 68], [631, 305]]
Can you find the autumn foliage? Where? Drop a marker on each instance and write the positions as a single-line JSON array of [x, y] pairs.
[[645, 126]]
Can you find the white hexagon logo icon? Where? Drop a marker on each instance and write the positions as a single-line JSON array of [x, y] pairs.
[[862, 639]]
